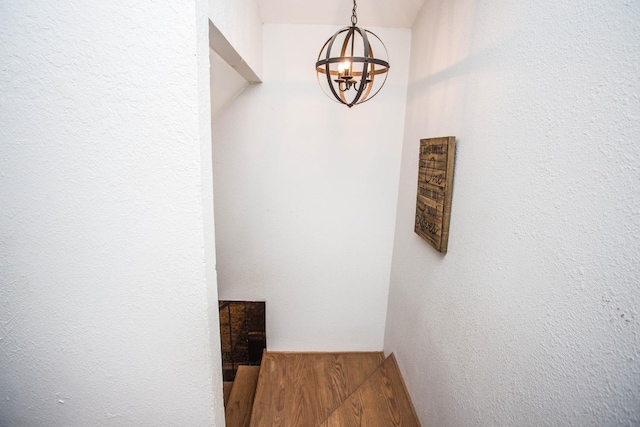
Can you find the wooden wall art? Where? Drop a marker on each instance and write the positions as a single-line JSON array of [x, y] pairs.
[[435, 182]]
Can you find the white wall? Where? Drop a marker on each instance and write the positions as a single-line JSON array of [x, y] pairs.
[[225, 83], [305, 196], [240, 23], [104, 112], [532, 318]]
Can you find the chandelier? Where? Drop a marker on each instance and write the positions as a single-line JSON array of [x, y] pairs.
[[347, 69]]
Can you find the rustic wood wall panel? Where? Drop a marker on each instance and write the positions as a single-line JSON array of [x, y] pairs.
[[435, 182]]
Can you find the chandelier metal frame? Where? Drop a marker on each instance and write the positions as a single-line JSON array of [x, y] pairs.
[[346, 71]]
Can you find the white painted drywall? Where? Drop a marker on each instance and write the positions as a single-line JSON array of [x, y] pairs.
[[305, 194], [104, 113], [203, 64], [240, 23], [225, 83], [533, 317]]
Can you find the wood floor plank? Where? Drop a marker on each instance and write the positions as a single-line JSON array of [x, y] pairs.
[[226, 391], [302, 389], [381, 401], [239, 406]]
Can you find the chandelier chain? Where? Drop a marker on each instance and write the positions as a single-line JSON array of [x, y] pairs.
[[354, 16]]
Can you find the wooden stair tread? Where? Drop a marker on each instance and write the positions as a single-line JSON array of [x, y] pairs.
[[226, 391], [303, 389], [238, 409], [381, 401]]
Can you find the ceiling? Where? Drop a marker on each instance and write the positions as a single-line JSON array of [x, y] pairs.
[[371, 13]]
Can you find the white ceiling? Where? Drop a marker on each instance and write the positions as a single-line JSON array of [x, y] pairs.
[[371, 13]]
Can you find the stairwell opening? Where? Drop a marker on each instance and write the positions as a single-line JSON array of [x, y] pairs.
[[243, 336]]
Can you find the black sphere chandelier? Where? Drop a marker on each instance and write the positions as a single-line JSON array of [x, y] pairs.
[[351, 74]]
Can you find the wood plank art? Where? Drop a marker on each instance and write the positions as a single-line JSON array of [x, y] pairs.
[[435, 182]]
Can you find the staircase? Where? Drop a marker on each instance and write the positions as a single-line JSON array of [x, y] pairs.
[[321, 390], [238, 407]]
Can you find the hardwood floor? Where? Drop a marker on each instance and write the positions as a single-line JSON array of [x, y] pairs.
[[381, 401], [303, 389], [238, 410], [226, 391]]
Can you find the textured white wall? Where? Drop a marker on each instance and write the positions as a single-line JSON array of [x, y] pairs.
[[104, 115], [305, 196], [533, 317], [239, 21]]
